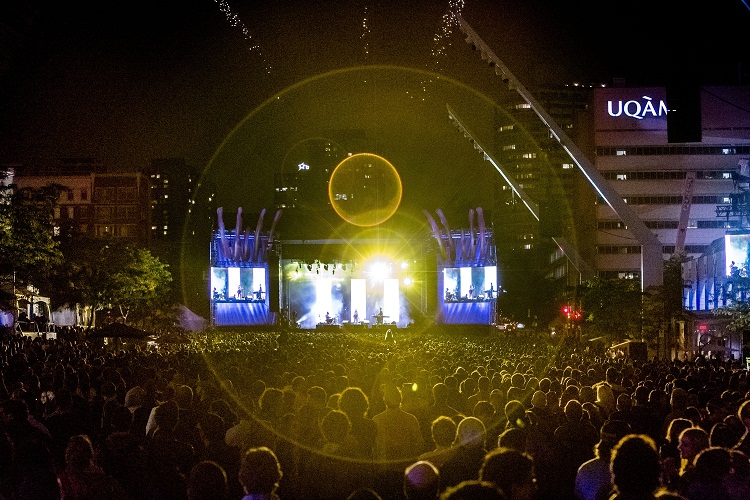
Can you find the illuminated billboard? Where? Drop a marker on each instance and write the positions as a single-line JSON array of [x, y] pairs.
[[736, 252]]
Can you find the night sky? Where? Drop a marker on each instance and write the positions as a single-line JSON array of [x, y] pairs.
[[233, 86]]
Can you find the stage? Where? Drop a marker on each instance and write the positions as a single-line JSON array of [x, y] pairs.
[[334, 284]]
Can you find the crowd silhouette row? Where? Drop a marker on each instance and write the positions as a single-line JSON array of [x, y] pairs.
[[254, 415]]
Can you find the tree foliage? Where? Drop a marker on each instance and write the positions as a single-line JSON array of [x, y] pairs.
[[611, 308], [141, 285], [28, 249], [107, 274]]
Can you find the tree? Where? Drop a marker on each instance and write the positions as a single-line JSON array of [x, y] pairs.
[[611, 307], [142, 285], [110, 274], [28, 250]]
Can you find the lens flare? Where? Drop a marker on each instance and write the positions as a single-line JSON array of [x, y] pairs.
[[365, 189]]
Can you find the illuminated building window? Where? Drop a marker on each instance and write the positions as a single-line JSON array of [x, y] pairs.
[[509, 147], [621, 152], [622, 177], [567, 166]]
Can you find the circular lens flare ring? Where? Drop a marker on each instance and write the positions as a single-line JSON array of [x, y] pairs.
[[365, 189]]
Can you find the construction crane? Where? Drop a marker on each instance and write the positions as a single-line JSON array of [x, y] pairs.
[[652, 268]]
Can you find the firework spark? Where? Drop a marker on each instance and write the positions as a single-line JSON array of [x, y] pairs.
[[236, 22], [365, 33]]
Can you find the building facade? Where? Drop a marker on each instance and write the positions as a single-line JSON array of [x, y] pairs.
[[674, 188], [93, 202]]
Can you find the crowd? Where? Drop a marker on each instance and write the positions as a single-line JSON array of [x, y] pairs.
[[332, 415]]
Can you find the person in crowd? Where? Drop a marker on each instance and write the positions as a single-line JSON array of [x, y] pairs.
[[398, 433], [364, 493], [355, 404], [743, 412], [443, 433], [512, 471], [208, 481], [473, 489], [470, 448], [573, 444], [82, 478], [214, 449], [678, 403], [168, 460], [635, 468], [310, 415], [260, 474], [594, 478], [671, 461], [692, 441], [421, 481], [738, 483], [709, 475]]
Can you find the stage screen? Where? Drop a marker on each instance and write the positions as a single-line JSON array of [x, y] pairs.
[[469, 283], [238, 296], [467, 294], [737, 251], [238, 284]]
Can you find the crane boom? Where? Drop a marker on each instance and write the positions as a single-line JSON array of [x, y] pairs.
[[584, 269], [652, 272]]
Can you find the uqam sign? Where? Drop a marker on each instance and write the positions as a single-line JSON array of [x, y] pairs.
[[620, 108], [645, 107]]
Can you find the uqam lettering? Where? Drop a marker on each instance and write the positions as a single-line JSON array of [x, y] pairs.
[[636, 109]]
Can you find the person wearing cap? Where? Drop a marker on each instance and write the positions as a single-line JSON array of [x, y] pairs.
[[594, 478]]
